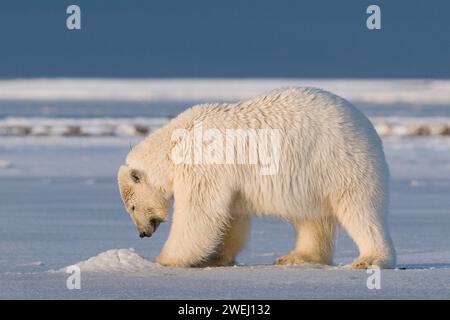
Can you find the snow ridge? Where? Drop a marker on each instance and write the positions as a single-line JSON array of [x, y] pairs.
[[142, 126]]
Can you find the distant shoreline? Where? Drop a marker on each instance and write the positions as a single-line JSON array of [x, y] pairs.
[[380, 91]]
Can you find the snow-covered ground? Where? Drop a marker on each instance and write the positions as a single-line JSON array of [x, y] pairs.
[[59, 205]]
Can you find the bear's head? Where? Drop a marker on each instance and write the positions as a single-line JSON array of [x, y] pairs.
[[146, 204]]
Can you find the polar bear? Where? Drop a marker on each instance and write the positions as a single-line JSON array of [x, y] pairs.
[[327, 170]]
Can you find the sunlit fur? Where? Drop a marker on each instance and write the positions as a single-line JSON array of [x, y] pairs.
[[332, 172]]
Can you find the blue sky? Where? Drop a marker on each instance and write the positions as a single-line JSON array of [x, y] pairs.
[[233, 38]]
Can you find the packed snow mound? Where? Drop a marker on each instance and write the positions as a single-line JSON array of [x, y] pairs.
[[117, 261]]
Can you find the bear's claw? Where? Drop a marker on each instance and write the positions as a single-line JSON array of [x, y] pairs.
[[290, 259], [368, 262]]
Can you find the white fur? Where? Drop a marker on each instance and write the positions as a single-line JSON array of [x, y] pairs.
[[332, 172]]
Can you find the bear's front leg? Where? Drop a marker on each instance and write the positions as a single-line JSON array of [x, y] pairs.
[[234, 238], [196, 232]]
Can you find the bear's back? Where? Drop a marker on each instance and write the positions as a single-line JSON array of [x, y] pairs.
[[303, 110]]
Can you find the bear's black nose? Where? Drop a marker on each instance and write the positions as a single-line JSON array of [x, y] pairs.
[[144, 234]]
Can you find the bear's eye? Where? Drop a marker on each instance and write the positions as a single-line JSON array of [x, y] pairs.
[[135, 177]]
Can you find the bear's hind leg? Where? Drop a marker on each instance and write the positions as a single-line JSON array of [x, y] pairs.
[[366, 225], [315, 242]]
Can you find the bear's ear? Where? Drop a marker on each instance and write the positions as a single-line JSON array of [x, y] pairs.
[[123, 173]]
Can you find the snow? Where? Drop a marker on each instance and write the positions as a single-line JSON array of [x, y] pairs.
[[61, 207], [36, 126], [406, 126], [59, 201], [117, 261], [141, 126], [358, 90], [5, 164]]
